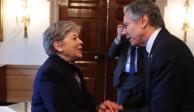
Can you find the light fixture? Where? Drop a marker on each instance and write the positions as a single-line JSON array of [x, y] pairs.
[[23, 15], [187, 19]]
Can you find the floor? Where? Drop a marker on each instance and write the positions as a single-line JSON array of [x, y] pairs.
[[19, 107]]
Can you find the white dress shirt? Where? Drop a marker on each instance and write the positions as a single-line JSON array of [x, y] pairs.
[[151, 40]]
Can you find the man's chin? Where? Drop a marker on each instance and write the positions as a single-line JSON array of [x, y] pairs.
[[133, 44]]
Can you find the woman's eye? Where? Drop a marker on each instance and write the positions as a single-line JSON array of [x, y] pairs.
[[74, 38]]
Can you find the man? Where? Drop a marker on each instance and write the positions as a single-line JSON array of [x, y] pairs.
[[169, 81], [128, 74]]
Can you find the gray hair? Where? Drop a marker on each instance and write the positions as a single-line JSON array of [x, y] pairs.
[[57, 32], [140, 8]]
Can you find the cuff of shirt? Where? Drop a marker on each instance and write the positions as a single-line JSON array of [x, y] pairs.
[[117, 41]]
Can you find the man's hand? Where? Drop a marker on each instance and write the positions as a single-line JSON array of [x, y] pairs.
[[109, 106]]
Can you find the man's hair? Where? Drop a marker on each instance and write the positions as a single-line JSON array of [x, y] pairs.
[[139, 8], [57, 32]]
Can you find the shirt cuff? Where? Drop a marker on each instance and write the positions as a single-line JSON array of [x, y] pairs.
[[117, 41]]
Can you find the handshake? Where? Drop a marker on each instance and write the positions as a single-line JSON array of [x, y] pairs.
[[109, 106]]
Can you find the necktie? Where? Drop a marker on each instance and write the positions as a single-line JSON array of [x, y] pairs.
[[146, 56], [132, 61]]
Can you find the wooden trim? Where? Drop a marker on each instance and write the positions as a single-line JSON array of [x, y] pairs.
[[2, 84], [17, 81]]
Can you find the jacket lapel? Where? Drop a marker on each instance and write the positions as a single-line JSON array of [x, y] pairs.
[[160, 37], [73, 87]]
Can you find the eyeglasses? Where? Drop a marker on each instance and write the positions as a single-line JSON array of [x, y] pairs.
[[125, 25]]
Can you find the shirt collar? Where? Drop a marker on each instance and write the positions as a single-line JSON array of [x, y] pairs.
[[151, 40]]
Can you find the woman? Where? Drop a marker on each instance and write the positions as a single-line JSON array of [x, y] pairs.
[[59, 86]]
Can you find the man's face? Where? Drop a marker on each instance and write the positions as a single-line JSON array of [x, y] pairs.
[[134, 29]]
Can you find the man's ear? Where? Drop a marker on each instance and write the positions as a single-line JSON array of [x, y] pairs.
[[58, 45], [144, 21]]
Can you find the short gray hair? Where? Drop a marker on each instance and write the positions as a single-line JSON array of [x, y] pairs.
[[140, 8], [57, 32]]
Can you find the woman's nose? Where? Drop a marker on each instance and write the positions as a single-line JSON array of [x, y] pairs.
[[80, 41]]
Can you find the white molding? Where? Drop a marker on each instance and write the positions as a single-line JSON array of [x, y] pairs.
[[161, 4], [54, 11]]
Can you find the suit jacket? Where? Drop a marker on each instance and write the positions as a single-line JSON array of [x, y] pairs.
[[169, 83], [121, 52], [56, 89]]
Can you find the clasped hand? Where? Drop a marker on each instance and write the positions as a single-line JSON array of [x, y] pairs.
[[109, 106]]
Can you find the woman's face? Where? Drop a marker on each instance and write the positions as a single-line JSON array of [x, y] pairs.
[[70, 48]]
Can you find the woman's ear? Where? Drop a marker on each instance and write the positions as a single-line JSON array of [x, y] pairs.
[[58, 45]]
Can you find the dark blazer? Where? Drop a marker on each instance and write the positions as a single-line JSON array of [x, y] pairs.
[[56, 89], [121, 51], [169, 83]]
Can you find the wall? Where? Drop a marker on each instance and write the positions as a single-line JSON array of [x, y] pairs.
[[161, 4], [15, 49], [173, 17]]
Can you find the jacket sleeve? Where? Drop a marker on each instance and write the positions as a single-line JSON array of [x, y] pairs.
[[113, 50]]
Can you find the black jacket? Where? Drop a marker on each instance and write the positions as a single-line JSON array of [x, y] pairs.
[[169, 85], [56, 89]]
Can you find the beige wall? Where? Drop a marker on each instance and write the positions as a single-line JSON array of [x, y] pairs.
[[15, 49], [174, 16], [161, 4]]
